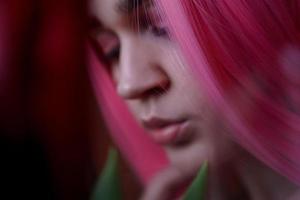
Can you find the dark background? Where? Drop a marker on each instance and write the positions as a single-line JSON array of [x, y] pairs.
[[53, 142]]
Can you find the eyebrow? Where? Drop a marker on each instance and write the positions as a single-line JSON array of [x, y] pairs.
[[128, 6]]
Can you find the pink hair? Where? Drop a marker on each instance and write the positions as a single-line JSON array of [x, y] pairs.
[[246, 54], [241, 52], [145, 157]]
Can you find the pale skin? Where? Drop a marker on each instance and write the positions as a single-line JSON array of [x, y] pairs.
[[154, 80]]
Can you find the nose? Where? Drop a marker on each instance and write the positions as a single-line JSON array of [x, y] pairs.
[[140, 73]]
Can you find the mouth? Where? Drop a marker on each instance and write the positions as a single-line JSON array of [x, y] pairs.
[[166, 131]]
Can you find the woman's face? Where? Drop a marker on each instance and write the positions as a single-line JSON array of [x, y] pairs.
[[154, 80]]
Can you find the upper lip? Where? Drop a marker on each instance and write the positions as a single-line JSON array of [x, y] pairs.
[[153, 123]]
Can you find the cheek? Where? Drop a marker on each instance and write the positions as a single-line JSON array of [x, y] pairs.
[[134, 108], [115, 75], [187, 88]]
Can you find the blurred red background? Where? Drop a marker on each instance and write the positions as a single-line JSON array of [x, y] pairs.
[[52, 141]]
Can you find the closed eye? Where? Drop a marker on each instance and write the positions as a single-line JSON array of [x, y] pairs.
[[151, 22], [109, 44], [158, 31], [113, 54]]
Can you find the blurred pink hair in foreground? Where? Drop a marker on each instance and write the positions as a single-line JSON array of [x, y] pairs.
[[247, 57]]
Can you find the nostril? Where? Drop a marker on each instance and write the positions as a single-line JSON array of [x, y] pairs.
[[158, 90]]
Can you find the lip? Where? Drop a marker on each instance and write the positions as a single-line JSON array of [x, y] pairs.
[[165, 131]]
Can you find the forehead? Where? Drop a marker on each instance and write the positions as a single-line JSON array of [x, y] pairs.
[[109, 12]]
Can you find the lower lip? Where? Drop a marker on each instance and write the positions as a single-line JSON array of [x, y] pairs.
[[169, 134]]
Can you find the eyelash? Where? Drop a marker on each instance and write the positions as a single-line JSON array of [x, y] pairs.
[[157, 31], [113, 53]]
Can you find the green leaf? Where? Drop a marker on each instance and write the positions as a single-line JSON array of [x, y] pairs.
[[197, 188], [108, 186]]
